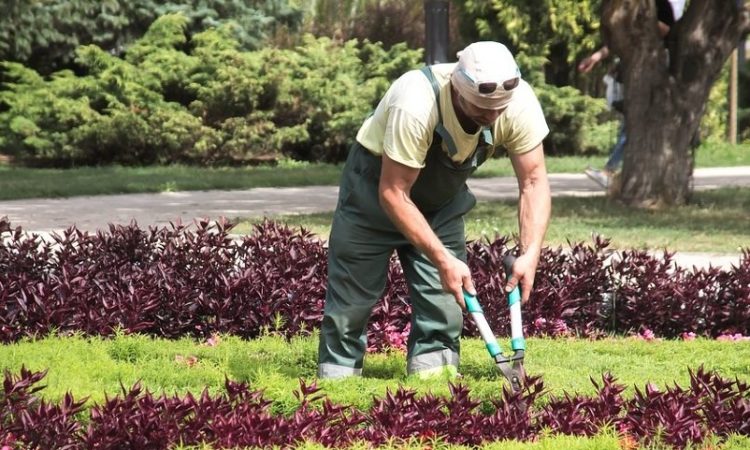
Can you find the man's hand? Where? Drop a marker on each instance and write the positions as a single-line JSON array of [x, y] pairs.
[[455, 277], [523, 273]]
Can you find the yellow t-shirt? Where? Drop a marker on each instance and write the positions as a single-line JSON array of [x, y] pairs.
[[403, 123]]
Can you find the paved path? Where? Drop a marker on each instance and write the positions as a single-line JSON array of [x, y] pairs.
[[96, 212]]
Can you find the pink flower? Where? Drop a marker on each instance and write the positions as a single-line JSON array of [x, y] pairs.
[[647, 335], [560, 328], [213, 341], [540, 322], [688, 336], [396, 340], [733, 337]]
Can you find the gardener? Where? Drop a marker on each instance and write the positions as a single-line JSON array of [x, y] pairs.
[[404, 188]]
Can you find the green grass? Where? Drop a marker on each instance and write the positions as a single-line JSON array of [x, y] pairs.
[[717, 221], [604, 441], [19, 183], [94, 366]]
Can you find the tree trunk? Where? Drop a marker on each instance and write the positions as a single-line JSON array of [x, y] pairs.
[[666, 89]]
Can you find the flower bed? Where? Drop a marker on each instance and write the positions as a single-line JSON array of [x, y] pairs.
[[177, 281]]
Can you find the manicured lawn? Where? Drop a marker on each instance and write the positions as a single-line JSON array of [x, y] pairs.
[[95, 366], [717, 221], [17, 183]]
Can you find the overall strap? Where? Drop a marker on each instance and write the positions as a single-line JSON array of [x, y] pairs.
[[440, 128]]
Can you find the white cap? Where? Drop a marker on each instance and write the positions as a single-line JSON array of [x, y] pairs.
[[485, 62]]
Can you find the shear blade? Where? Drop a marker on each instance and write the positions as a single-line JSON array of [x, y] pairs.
[[513, 372]]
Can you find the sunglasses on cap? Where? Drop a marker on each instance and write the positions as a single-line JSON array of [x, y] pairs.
[[489, 87]]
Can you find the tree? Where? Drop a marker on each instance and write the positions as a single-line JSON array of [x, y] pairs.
[[666, 91]]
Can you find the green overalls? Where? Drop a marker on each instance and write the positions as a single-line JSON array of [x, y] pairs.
[[362, 241]]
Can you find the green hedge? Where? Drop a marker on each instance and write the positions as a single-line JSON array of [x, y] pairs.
[[201, 99], [44, 34]]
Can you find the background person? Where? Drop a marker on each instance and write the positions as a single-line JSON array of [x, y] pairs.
[[404, 189], [666, 16]]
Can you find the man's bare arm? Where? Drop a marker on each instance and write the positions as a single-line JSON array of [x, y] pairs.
[[534, 209], [396, 181]]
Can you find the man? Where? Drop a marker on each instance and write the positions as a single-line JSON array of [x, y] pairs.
[[404, 189]]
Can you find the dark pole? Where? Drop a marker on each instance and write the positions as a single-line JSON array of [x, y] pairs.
[[436, 31], [743, 40]]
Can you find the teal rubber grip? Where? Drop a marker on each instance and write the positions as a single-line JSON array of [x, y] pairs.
[[472, 304], [494, 349], [518, 344], [514, 296]]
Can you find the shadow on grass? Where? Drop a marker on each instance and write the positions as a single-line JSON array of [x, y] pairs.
[[715, 221]]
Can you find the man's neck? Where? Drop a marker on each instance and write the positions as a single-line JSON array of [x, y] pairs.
[[469, 126]]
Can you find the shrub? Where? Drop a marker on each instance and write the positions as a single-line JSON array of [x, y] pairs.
[[166, 282], [115, 114], [576, 121], [204, 100], [45, 34], [326, 90]]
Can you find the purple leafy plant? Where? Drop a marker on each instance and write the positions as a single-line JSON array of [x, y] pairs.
[[677, 417], [199, 281]]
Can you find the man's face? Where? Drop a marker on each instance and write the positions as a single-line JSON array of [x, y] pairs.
[[480, 116]]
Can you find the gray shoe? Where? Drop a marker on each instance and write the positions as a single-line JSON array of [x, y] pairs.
[[599, 176]]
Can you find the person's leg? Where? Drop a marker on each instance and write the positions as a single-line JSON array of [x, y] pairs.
[[359, 249], [604, 176], [357, 272], [437, 321], [617, 153]]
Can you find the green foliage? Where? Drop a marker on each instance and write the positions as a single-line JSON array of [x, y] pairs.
[[559, 30], [571, 117], [327, 89], [252, 20], [386, 21], [116, 113], [576, 121], [201, 100], [45, 33], [714, 122]]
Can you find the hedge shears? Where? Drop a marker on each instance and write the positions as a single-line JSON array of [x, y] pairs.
[[510, 366]]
